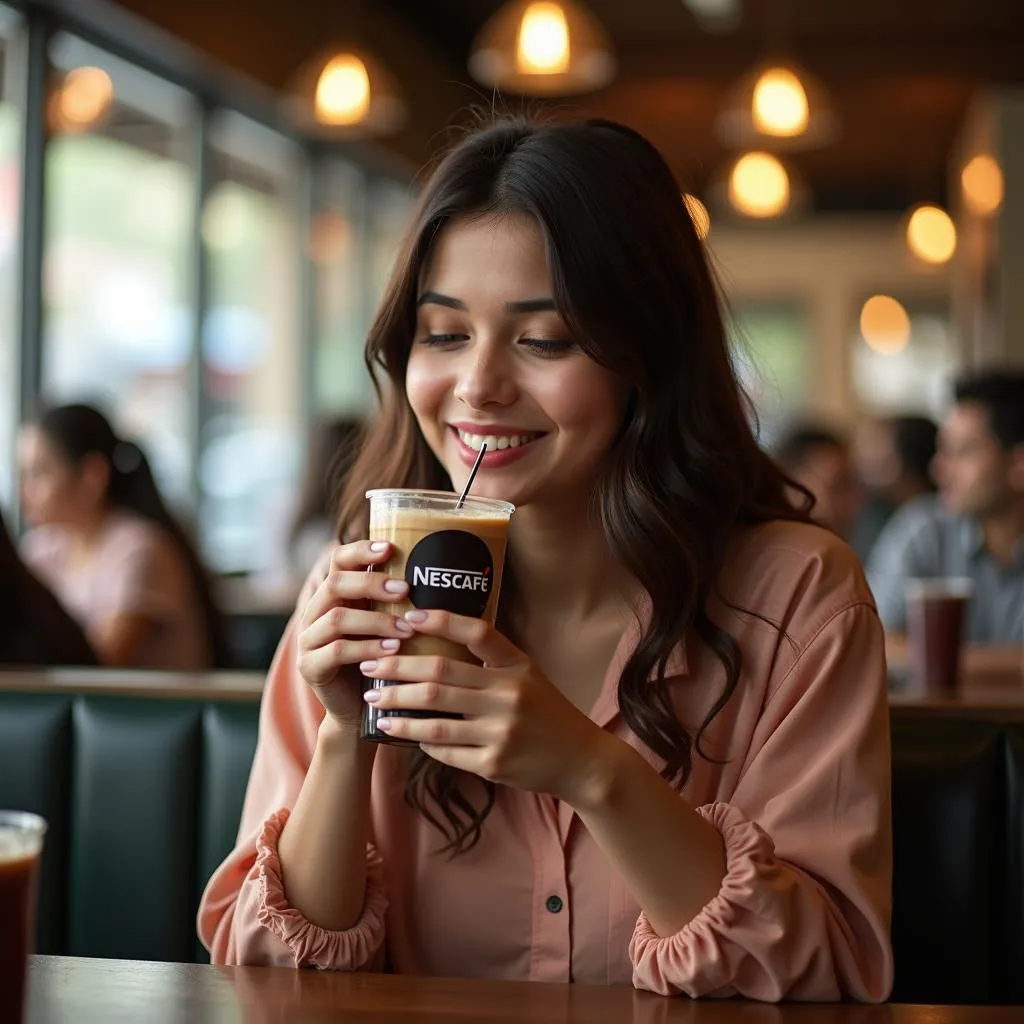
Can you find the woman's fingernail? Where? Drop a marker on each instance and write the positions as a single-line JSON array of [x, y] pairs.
[[384, 724], [396, 586], [367, 666], [390, 645], [402, 626], [379, 545], [371, 696], [416, 616]]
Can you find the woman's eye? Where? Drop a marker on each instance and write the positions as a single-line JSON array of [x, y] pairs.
[[548, 347], [443, 339]]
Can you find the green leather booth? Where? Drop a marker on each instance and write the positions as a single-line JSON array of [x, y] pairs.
[[143, 790], [142, 795]]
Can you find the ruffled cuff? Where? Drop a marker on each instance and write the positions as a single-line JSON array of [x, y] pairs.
[[696, 960], [312, 946]]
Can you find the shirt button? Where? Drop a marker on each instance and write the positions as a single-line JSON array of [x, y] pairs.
[[554, 904]]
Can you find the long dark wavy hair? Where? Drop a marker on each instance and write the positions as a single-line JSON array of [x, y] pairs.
[[79, 430], [632, 282]]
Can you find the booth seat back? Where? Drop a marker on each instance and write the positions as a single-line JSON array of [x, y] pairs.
[[143, 796]]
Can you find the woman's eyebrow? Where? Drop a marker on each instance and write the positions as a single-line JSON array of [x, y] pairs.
[[437, 299]]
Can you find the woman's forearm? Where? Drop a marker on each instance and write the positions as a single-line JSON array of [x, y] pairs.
[[323, 845], [670, 858]]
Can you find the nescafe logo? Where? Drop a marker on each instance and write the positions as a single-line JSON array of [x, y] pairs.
[[451, 570]]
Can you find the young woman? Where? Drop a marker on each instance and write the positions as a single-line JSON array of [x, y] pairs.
[[672, 767], [106, 544]]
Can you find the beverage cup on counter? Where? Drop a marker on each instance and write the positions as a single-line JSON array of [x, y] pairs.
[[21, 846], [936, 619], [450, 555]]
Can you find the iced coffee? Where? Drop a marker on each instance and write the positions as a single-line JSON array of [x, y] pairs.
[[452, 559]]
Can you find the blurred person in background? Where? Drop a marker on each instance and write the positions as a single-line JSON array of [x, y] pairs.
[[974, 529], [34, 627], [104, 541], [314, 525], [820, 460], [893, 457]]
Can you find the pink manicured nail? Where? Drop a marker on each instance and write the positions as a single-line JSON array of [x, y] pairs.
[[396, 586], [402, 626], [390, 645], [384, 724], [371, 696], [379, 545], [367, 666], [416, 616]]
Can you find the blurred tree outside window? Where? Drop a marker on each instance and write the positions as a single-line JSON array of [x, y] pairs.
[[771, 353]]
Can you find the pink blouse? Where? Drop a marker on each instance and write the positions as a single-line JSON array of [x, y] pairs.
[[134, 569], [799, 789]]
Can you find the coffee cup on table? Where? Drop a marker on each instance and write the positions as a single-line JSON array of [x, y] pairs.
[[936, 619], [451, 552], [21, 846]]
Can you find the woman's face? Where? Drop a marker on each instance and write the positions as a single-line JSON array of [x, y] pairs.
[[493, 361], [53, 489]]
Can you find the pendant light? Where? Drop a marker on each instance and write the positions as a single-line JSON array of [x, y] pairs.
[[344, 91], [777, 102], [540, 48]]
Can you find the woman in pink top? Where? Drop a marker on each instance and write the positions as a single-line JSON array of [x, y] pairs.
[[106, 545], [672, 767]]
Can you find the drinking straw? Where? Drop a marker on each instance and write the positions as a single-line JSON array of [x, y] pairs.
[[472, 473]]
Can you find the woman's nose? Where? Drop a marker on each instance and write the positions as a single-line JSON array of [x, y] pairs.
[[484, 379]]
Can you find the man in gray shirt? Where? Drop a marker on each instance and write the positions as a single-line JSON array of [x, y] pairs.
[[975, 529]]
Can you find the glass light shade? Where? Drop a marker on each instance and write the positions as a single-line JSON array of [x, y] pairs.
[[931, 234], [542, 49], [884, 324], [982, 183], [777, 103], [759, 185], [82, 100], [345, 92]]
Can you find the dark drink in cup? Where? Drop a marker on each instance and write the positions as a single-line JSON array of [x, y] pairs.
[[936, 612], [21, 843], [452, 559]]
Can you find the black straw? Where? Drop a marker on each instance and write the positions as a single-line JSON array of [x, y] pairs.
[[472, 474]]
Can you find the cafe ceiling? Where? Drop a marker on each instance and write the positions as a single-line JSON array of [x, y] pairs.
[[900, 74]]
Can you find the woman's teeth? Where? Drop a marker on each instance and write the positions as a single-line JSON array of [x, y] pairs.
[[494, 442]]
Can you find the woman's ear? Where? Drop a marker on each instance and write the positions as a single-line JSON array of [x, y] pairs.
[[94, 476]]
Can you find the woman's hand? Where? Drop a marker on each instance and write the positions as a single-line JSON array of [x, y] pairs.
[[517, 728], [338, 630]]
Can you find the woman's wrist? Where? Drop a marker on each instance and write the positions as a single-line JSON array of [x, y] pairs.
[[598, 768], [341, 741]]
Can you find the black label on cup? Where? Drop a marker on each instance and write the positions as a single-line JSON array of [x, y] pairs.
[[451, 570]]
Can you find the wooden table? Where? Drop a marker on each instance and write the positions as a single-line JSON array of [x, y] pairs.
[[73, 990]]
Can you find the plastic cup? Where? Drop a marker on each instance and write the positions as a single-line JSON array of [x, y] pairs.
[[21, 846], [452, 558]]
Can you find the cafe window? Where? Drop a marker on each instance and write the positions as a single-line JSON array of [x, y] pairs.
[[771, 354], [252, 351], [117, 319], [337, 242], [11, 69]]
